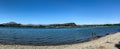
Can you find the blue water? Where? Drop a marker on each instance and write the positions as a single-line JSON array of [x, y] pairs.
[[48, 36]]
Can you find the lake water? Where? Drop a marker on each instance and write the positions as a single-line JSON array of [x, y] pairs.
[[43, 36]]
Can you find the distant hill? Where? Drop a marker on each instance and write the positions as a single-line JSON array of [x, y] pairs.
[[14, 24], [62, 25], [65, 25]]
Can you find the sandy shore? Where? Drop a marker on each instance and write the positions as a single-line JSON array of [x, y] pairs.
[[107, 42]]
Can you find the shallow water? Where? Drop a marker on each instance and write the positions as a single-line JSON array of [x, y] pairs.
[[47, 36]]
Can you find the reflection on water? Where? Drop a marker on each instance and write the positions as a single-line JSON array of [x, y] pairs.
[[43, 36]]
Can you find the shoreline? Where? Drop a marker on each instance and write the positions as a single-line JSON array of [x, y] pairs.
[[105, 42]]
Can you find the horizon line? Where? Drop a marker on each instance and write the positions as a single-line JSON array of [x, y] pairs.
[[61, 23]]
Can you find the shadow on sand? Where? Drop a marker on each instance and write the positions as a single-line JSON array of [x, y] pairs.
[[118, 45]]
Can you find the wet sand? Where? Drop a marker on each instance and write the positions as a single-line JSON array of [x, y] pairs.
[[106, 42]]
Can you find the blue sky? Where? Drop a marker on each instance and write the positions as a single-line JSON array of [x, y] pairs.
[[60, 11]]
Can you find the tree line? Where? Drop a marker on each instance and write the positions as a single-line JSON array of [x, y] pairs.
[[14, 24]]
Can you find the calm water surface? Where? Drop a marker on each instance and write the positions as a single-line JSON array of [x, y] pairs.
[[48, 36]]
